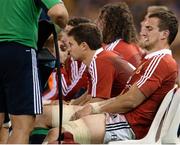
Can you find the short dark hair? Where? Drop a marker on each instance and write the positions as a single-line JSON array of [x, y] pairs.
[[88, 33], [75, 21], [168, 21], [157, 8], [118, 23]]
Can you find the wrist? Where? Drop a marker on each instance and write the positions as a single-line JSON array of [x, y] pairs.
[[95, 108]]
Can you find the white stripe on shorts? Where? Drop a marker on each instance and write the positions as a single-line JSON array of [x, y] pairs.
[[117, 128], [36, 85]]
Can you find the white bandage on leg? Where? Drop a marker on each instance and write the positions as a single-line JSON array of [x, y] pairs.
[[68, 111], [79, 130]]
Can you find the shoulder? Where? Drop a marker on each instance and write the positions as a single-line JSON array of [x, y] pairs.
[[163, 63]]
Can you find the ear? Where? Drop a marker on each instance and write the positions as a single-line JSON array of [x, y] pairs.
[[165, 34], [84, 45]]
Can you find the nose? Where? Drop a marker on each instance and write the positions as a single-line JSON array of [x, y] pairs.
[[143, 31]]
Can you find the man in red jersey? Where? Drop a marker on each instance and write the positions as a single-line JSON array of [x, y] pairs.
[[107, 71], [130, 115], [119, 33]]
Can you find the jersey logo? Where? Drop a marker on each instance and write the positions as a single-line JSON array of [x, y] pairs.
[[138, 70]]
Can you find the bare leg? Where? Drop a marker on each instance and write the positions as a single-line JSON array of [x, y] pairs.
[[2, 133], [1, 119], [94, 123], [45, 120], [22, 126]]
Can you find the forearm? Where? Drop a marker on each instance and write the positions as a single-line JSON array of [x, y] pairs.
[[120, 104], [95, 99], [81, 100], [114, 105], [111, 106]]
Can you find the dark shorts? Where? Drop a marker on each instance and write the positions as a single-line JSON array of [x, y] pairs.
[[19, 82]]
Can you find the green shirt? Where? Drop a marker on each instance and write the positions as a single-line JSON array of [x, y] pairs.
[[19, 20]]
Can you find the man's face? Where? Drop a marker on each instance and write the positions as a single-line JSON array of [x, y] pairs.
[[75, 49], [150, 35], [63, 41]]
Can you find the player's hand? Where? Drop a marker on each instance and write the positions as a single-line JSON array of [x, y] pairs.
[[86, 110]]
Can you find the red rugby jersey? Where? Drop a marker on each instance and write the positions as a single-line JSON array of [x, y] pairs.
[[155, 77], [108, 74], [130, 52]]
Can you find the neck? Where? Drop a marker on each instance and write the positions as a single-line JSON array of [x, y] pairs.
[[88, 57], [159, 47]]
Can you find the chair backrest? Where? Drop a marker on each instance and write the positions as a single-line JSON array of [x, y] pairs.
[[171, 122], [163, 108]]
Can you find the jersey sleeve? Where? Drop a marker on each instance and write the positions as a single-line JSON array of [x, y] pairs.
[[50, 3], [102, 79], [154, 72]]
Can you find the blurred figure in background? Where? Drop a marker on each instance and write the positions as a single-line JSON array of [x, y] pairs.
[[119, 34], [74, 79]]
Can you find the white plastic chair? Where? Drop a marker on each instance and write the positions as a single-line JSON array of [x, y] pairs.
[[150, 138], [172, 121]]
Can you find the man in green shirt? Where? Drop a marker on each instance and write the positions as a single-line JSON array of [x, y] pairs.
[[19, 83]]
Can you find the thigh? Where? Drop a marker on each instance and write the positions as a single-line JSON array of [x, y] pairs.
[[96, 125], [4, 134], [1, 119], [68, 112], [45, 120], [22, 122]]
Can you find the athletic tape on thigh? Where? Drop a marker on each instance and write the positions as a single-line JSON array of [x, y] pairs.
[[68, 111], [79, 130]]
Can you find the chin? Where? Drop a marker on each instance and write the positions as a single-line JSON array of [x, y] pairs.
[[142, 45], [74, 58]]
